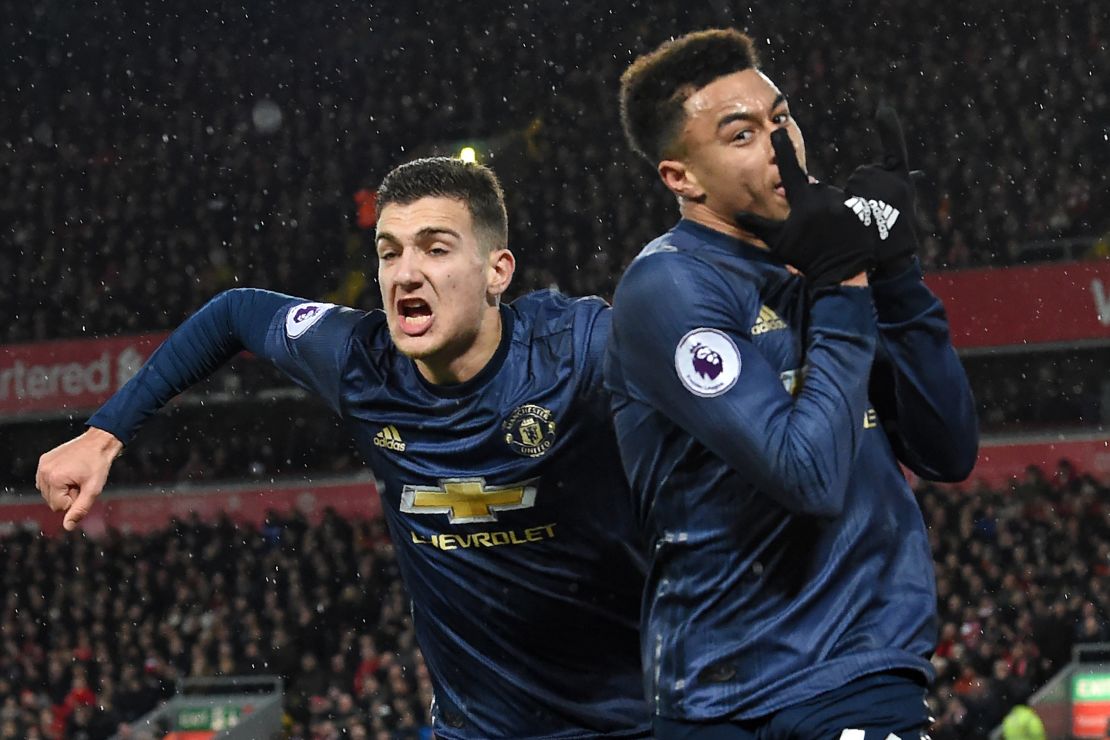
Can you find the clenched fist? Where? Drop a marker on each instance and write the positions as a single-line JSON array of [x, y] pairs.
[[71, 475]]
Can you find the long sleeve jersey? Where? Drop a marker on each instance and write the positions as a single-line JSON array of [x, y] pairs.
[[504, 496], [759, 427]]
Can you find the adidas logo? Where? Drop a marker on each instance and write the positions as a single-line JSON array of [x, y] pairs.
[[885, 215], [390, 439], [768, 321]]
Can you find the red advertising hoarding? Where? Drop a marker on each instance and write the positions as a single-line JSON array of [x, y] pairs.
[[148, 511], [1000, 462], [71, 375], [1062, 302], [1013, 306]]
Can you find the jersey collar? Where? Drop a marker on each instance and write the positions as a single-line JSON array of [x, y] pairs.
[[457, 390], [730, 244]]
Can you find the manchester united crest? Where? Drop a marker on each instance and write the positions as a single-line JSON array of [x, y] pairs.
[[529, 430]]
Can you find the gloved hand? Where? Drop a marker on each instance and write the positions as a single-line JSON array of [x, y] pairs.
[[885, 192], [822, 237]]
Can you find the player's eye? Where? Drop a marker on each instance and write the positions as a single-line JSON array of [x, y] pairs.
[[743, 136], [387, 255], [437, 251], [780, 119]]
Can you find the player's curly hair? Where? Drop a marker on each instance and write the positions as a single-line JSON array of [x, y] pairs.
[[444, 177], [656, 85]]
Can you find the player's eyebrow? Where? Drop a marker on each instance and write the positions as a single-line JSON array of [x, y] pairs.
[[745, 115], [427, 231], [422, 234]]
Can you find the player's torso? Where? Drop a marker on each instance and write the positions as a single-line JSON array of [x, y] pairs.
[[514, 532], [767, 572]]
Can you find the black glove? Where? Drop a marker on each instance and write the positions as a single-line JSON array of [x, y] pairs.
[[822, 237], [886, 193]]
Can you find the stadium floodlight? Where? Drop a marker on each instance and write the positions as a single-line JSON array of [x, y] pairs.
[[468, 154]]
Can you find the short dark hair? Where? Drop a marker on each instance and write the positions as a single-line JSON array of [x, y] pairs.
[[656, 85], [446, 177]]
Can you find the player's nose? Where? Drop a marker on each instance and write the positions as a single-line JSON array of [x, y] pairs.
[[768, 147], [408, 271]]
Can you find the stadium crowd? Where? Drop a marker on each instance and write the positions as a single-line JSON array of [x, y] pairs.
[[94, 633], [1021, 578], [153, 159]]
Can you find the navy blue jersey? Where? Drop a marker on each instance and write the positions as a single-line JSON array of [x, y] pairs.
[[759, 428], [504, 496]]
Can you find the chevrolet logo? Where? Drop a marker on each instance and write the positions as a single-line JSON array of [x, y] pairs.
[[466, 500]]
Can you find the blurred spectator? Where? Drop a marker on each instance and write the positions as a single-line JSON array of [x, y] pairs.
[[112, 621], [1016, 596], [97, 633], [154, 159]]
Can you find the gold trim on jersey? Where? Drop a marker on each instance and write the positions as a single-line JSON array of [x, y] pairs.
[[467, 500]]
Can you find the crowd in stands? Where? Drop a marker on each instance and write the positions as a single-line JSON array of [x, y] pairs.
[[1021, 578], [155, 156], [93, 633]]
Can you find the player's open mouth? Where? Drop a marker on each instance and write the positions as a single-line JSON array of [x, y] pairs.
[[779, 189], [414, 316]]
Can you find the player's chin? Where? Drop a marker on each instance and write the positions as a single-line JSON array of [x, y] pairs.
[[415, 348], [777, 206]]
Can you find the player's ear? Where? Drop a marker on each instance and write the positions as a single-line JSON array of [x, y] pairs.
[[682, 182], [502, 264]]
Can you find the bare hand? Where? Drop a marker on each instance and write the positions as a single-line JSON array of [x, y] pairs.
[[72, 475]]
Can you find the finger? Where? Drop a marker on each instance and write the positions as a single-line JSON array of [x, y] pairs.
[[40, 478], [890, 138], [59, 502], [860, 178], [793, 176], [81, 506], [59, 496]]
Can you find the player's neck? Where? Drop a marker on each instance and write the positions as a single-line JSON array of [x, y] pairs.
[[465, 365], [702, 214]]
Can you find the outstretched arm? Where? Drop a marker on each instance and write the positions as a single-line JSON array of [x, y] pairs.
[[229, 323], [71, 476]]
